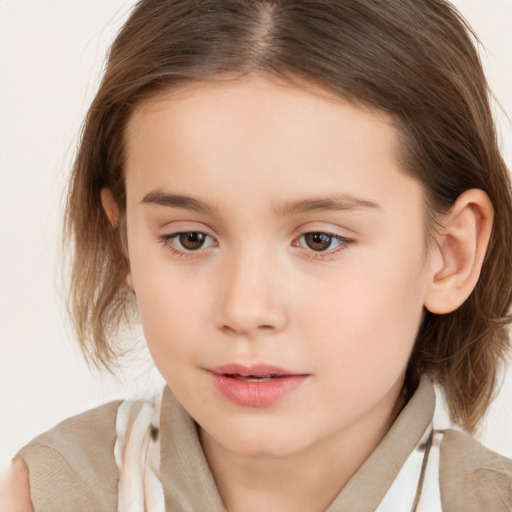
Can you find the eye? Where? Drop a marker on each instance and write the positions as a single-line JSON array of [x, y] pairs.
[[187, 241], [321, 242]]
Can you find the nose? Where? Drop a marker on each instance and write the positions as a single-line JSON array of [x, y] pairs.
[[251, 293]]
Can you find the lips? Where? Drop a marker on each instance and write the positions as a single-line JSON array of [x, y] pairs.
[[257, 385], [255, 378]]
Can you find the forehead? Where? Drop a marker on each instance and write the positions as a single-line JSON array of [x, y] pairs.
[[291, 110], [257, 137]]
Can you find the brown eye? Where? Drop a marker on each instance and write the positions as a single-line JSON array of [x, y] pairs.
[[322, 242], [319, 241], [192, 240], [184, 242]]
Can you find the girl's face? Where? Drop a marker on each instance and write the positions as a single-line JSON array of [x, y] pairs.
[[279, 262]]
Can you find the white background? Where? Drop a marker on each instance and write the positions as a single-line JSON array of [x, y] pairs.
[[51, 54]]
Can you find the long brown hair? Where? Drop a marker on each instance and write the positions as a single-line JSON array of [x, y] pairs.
[[415, 60]]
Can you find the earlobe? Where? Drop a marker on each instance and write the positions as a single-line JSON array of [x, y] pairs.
[[460, 252], [129, 281], [110, 206]]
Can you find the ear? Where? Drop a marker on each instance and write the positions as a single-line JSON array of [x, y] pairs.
[[457, 260], [110, 206], [112, 211]]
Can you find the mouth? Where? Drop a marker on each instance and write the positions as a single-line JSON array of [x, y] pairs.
[[254, 378], [257, 385], [254, 373]]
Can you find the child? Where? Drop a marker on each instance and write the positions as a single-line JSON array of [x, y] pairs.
[[306, 203]]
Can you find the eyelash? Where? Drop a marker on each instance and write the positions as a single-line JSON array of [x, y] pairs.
[[343, 243], [171, 241]]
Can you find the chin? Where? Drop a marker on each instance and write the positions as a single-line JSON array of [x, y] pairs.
[[261, 444]]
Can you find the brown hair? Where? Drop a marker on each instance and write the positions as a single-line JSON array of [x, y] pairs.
[[413, 59]]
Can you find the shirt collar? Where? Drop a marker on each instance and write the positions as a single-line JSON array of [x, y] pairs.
[[189, 485]]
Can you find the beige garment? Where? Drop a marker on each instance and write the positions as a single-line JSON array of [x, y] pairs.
[[72, 467]]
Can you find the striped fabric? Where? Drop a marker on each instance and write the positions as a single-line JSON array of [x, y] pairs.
[[416, 487], [137, 455]]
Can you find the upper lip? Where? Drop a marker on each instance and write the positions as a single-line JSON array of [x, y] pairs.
[[254, 370]]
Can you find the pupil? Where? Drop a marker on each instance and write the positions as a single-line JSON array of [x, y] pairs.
[[191, 241], [318, 241]]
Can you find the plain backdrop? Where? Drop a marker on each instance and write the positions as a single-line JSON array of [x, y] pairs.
[[51, 56]]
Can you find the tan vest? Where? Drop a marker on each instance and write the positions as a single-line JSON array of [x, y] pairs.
[[72, 466]]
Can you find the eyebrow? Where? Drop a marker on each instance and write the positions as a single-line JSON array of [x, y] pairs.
[[160, 198], [334, 202]]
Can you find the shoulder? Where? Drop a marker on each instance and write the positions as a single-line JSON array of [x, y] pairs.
[[72, 465], [472, 477], [86, 432], [14, 489]]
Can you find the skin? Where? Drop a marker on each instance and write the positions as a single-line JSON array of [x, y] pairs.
[[14, 488], [344, 312], [255, 292]]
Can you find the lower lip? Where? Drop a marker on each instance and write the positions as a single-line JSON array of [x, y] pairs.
[[257, 394]]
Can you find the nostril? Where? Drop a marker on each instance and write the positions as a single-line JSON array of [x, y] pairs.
[[241, 330], [244, 310], [229, 329]]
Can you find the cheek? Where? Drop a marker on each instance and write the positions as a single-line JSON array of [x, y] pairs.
[[167, 313], [371, 311], [171, 311], [171, 332]]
